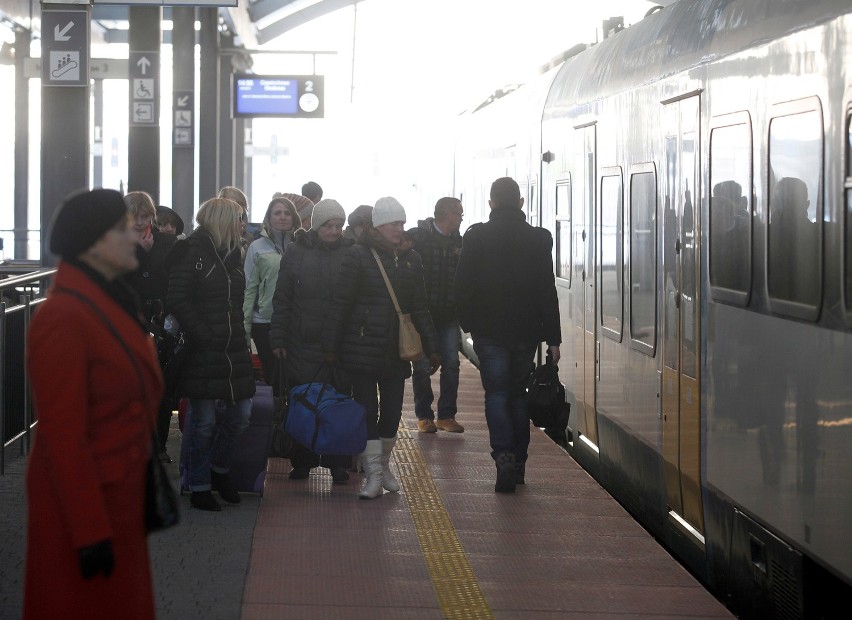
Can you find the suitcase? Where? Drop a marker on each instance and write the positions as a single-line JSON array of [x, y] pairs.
[[248, 465]]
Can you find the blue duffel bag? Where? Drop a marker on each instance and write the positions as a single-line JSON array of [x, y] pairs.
[[326, 421]]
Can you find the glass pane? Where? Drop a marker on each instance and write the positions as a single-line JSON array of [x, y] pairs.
[[563, 232], [671, 325], [611, 252], [689, 277], [795, 210], [730, 207], [643, 258], [848, 274]]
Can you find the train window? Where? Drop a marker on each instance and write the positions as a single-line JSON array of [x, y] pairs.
[[643, 258], [730, 211], [611, 252], [848, 241], [563, 231], [795, 214]]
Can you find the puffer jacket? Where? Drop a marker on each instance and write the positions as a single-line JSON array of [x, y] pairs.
[[206, 296], [361, 326], [440, 255], [303, 295]]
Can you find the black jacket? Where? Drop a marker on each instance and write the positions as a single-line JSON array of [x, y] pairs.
[[440, 255], [362, 326], [206, 296], [306, 280], [151, 279], [505, 289]]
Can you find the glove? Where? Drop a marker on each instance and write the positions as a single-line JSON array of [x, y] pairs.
[[97, 558], [434, 363], [330, 357]]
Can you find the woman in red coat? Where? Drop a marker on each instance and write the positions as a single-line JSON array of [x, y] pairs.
[[96, 386]]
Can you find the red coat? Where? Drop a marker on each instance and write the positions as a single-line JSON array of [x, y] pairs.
[[86, 471]]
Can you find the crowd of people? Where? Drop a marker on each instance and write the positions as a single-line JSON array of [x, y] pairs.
[[314, 293]]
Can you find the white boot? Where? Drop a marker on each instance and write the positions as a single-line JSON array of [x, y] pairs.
[[390, 483], [371, 461]]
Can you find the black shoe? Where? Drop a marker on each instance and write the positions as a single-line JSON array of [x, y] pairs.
[[339, 475], [506, 473], [164, 457], [204, 500], [222, 483], [520, 471], [299, 473]]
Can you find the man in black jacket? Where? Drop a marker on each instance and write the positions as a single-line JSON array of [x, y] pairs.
[[439, 244], [506, 298]]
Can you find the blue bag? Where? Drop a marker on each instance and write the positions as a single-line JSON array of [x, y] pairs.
[[326, 421]]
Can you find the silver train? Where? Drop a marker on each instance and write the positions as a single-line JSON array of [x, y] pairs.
[[695, 170]]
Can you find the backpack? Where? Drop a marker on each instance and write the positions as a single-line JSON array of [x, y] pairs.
[[546, 397]]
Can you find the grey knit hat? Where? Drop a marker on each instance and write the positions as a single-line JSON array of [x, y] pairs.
[[387, 210], [325, 210]]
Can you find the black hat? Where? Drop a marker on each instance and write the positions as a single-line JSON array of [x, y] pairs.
[[83, 218], [166, 211]]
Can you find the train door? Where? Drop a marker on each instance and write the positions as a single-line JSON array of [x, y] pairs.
[[681, 319], [583, 216]]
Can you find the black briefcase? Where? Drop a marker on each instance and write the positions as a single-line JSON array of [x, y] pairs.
[[546, 396]]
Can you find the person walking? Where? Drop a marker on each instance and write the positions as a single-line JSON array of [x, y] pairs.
[[96, 387], [361, 333], [261, 269], [439, 244], [506, 298], [302, 298], [206, 288]]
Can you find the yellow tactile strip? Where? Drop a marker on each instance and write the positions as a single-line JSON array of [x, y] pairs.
[[451, 573]]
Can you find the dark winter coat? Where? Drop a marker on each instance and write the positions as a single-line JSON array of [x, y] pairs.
[[206, 296], [306, 280], [96, 387], [362, 326], [505, 288], [440, 255], [151, 279]]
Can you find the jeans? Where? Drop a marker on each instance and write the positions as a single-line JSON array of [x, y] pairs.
[[504, 371], [212, 441], [382, 398], [449, 338]]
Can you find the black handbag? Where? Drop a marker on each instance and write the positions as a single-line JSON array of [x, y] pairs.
[[282, 444], [161, 502], [546, 396]]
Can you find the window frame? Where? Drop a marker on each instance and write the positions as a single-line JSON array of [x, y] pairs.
[[563, 216]]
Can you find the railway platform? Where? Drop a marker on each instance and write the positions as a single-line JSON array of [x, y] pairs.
[[445, 546]]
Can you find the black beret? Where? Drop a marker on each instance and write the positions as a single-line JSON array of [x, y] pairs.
[[83, 218]]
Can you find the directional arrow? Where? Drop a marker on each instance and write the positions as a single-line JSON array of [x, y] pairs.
[[61, 35], [182, 101], [143, 63]]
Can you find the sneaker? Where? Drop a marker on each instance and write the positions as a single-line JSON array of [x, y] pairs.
[[506, 473], [520, 472], [339, 475], [299, 473], [426, 426], [204, 500], [450, 425], [222, 483]]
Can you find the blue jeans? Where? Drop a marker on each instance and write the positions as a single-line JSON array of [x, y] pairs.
[[382, 398], [504, 371], [449, 339], [212, 444]]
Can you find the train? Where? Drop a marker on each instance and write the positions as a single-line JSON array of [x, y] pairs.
[[695, 170]]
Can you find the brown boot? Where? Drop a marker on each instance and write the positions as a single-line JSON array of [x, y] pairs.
[[450, 425]]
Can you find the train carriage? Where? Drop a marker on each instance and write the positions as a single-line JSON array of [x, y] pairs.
[[694, 171]]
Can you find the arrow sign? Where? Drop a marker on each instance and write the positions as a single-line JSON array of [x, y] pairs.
[[143, 64], [181, 102], [62, 35]]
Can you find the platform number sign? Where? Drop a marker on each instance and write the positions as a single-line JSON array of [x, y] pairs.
[[65, 37], [144, 82]]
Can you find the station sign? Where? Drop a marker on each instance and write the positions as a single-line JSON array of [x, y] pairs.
[[277, 96], [144, 81], [183, 125], [65, 37]]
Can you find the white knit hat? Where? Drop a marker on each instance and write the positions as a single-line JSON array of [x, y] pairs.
[[325, 210], [387, 210]]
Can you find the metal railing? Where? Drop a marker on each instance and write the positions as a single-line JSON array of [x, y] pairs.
[[19, 296]]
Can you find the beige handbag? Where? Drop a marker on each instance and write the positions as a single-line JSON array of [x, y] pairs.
[[410, 346]]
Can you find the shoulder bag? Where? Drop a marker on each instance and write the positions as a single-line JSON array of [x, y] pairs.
[[410, 346]]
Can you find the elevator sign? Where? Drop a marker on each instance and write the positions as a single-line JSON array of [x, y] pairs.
[[144, 74], [65, 56]]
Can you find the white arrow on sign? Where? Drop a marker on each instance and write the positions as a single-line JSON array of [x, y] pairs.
[[143, 63], [62, 35], [182, 101]]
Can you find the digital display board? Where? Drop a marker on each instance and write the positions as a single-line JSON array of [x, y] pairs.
[[278, 96]]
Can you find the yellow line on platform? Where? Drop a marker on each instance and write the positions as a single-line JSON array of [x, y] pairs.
[[452, 576]]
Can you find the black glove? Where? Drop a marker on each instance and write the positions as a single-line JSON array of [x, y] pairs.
[[97, 558]]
